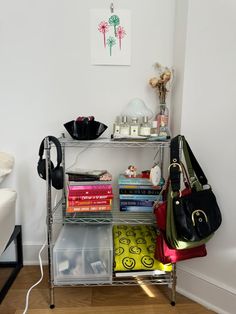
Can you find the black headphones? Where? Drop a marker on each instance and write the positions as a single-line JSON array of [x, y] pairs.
[[56, 173]]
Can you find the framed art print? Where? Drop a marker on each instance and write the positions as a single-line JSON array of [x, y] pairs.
[[110, 37]]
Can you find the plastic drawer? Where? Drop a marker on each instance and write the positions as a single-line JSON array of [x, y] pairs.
[[83, 253]]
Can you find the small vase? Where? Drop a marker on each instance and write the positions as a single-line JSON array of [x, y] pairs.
[[163, 120]]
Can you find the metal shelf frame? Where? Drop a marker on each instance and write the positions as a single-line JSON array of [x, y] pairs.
[[125, 281], [114, 217]]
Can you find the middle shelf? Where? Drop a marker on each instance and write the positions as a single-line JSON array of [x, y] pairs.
[[115, 216]]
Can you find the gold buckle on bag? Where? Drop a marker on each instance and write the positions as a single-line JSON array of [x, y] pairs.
[[175, 164], [197, 213]]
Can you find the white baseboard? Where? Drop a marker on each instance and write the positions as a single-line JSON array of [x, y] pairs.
[[206, 291]]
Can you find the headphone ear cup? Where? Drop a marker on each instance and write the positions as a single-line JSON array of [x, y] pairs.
[[42, 168], [57, 176]]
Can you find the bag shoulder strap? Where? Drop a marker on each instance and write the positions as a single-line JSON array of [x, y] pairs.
[[174, 168], [193, 166]]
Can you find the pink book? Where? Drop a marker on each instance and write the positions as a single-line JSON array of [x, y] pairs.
[[90, 187]]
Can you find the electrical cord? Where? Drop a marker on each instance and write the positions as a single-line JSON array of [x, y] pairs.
[[41, 278], [42, 248]]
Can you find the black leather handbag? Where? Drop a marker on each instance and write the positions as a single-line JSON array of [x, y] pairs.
[[197, 214]]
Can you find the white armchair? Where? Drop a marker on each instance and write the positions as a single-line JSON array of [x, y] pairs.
[[8, 231], [7, 216]]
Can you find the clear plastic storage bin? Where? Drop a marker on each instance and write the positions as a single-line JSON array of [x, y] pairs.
[[83, 253]]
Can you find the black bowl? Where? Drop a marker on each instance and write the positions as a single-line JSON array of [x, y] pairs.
[[88, 130]]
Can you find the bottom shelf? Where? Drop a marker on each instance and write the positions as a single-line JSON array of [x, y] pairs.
[[84, 255], [161, 279]]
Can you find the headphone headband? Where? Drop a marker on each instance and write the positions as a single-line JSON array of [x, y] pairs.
[[58, 147]]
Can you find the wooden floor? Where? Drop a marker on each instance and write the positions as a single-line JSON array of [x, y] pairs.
[[88, 300]]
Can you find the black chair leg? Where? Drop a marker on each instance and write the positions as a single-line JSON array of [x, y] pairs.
[[16, 265]]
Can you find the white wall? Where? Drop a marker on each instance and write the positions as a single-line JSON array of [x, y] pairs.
[[46, 79], [180, 30], [208, 122]]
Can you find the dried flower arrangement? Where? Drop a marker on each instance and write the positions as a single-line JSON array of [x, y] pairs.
[[160, 83]]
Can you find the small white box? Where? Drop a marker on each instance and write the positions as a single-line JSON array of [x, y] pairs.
[[83, 253]]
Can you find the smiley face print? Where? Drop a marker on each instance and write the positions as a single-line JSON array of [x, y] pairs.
[[117, 234], [130, 233], [140, 241], [151, 248], [147, 261], [136, 228], [135, 250], [128, 263], [122, 227], [124, 241], [119, 251], [147, 234]]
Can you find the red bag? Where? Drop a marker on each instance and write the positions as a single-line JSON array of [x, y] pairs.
[[167, 255], [163, 252], [160, 211]]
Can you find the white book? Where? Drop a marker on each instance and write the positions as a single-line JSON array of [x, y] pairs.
[[139, 273]]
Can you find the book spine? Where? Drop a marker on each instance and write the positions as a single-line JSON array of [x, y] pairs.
[[144, 203], [106, 187], [139, 191], [89, 202], [75, 178], [89, 197], [95, 208], [86, 183], [139, 209], [139, 197], [89, 192], [133, 181], [135, 186]]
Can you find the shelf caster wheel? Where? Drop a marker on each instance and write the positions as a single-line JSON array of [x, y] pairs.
[[52, 306], [172, 303]]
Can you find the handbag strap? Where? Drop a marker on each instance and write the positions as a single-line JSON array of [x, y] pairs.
[[195, 164], [195, 171], [174, 168]]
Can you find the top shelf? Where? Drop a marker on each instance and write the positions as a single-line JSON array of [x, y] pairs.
[[106, 142]]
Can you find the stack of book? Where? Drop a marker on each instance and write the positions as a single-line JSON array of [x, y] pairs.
[[86, 195], [137, 194]]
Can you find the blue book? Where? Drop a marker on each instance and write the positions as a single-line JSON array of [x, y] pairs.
[[133, 181], [145, 203], [140, 191], [140, 197], [137, 209], [140, 187]]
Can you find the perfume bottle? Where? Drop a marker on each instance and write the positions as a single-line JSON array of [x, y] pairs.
[[163, 120], [145, 127], [134, 127], [116, 126], [124, 126], [163, 130], [154, 130]]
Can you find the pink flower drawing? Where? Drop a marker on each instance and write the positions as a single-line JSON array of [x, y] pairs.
[[120, 34], [103, 28]]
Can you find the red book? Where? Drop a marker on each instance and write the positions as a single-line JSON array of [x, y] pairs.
[[89, 192], [91, 208], [88, 202], [89, 197]]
